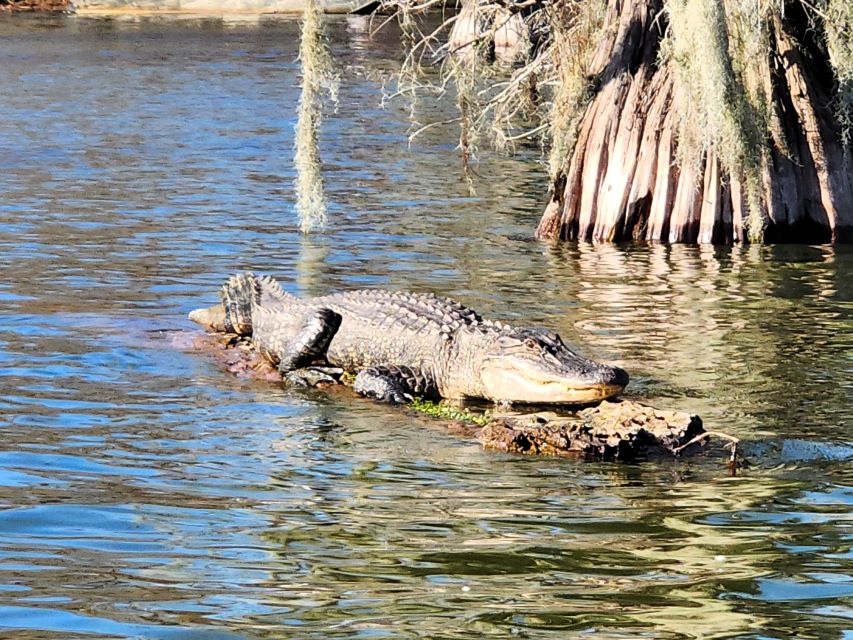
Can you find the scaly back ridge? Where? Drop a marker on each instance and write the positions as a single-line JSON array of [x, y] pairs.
[[238, 296]]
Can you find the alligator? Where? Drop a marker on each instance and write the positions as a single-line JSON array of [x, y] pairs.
[[403, 345]]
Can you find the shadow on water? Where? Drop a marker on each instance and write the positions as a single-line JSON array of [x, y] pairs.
[[145, 492]]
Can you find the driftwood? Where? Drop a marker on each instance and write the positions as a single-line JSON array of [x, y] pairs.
[[612, 430]]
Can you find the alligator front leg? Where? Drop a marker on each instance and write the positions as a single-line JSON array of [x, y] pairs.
[[311, 340], [294, 342], [397, 385]]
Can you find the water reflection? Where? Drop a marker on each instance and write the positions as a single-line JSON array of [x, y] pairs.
[[146, 493]]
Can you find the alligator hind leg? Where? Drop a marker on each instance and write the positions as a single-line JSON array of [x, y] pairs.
[[397, 385]]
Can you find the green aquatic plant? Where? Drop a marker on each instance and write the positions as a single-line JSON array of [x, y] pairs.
[[317, 75], [447, 411]]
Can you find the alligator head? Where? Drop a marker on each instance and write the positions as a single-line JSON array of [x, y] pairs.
[[535, 366]]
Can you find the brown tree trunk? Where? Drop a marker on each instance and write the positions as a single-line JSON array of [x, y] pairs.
[[623, 181]]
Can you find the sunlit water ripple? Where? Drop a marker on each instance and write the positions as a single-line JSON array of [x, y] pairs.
[[146, 493]]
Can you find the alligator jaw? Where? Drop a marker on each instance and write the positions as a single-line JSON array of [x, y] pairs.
[[556, 393], [593, 394], [545, 371]]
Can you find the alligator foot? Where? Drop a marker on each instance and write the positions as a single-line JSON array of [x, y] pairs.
[[313, 376], [396, 385], [378, 383]]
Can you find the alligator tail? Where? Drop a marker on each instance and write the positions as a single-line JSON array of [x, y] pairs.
[[271, 292], [239, 296]]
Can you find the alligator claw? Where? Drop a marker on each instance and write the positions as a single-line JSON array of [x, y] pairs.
[[312, 376]]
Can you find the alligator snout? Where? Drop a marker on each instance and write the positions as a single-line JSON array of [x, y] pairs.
[[614, 376], [594, 374]]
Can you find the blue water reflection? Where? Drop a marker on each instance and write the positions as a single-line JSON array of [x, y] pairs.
[[147, 493]]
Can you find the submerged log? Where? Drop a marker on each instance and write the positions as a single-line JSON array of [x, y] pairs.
[[233, 353], [624, 178]]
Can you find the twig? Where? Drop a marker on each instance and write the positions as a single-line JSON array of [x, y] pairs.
[[430, 125], [528, 134], [707, 434]]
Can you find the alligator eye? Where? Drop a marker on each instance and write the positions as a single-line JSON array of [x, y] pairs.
[[530, 343]]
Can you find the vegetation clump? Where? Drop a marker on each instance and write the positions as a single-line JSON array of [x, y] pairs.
[[317, 76], [837, 17], [448, 412], [716, 111]]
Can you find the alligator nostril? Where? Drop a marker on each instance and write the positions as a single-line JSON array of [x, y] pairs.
[[619, 376]]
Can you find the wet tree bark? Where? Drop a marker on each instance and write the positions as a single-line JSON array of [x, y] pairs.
[[623, 181]]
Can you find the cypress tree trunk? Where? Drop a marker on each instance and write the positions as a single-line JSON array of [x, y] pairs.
[[624, 179]]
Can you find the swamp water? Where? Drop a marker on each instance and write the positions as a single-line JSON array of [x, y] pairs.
[[146, 493]]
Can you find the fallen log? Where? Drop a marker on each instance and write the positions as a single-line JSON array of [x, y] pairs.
[[612, 430]]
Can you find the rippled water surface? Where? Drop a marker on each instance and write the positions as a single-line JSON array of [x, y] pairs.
[[147, 493]]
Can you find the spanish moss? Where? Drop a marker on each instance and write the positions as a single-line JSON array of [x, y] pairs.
[[317, 75]]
